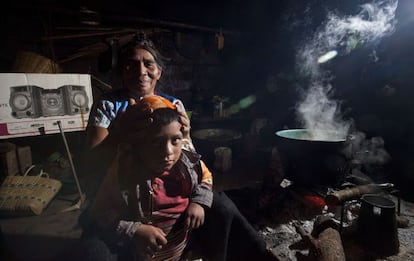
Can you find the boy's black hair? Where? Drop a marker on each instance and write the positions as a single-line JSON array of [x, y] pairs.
[[164, 116]]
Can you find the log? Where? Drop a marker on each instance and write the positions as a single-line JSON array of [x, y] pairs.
[[325, 241], [328, 240], [336, 198], [321, 223], [329, 246]]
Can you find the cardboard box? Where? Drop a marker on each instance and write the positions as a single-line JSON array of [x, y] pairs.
[[33, 104], [24, 158], [8, 159], [14, 160]]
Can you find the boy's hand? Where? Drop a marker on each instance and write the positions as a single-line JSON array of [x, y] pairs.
[[149, 239], [194, 216]]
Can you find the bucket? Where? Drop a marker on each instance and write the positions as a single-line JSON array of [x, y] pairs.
[[377, 225], [222, 159]]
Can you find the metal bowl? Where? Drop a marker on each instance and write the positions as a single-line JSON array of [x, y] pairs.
[[217, 135]]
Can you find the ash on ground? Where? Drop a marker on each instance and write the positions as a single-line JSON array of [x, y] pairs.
[[278, 227]]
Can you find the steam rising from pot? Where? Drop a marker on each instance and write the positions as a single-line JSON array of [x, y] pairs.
[[365, 151], [366, 154], [318, 112], [339, 35]]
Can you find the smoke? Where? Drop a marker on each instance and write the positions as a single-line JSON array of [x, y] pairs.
[[339, 35], [345, 33], [318, 113], [366, 152]]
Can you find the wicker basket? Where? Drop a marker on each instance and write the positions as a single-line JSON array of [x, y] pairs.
[[27, 195], [30, 62]]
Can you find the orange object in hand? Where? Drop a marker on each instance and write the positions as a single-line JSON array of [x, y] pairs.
[[157, 102]]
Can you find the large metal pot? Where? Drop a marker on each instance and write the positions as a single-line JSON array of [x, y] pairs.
[[310, 157]]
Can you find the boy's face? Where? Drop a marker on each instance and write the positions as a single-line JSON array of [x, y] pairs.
[[162, 149]]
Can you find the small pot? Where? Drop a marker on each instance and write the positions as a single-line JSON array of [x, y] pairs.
[[377, 225]]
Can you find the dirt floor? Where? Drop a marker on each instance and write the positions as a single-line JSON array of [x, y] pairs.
[[276, 213], [279, 229]]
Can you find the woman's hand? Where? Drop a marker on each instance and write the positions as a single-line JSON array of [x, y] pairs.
[[194, 216], [149, 239], [184, 120], [133, 122]]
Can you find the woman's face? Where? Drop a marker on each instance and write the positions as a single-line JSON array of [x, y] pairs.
[[163, 148], [140, 73]]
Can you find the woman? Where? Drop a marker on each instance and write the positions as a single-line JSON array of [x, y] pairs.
[[110, 122], [117, 117], [157, 197]]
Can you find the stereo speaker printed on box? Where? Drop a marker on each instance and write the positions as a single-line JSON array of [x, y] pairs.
[[31, 101]]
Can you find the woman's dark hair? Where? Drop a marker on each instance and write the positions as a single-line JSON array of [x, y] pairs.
[[163, 116], [141, 41]]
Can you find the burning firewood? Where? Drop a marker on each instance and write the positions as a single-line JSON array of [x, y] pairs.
[[340, 196]]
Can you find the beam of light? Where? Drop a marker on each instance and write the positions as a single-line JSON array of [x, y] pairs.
[[247, 101], [327, 56], [241, 105], [344, 33]]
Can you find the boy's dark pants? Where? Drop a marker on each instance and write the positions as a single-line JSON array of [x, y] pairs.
[[226, 233]]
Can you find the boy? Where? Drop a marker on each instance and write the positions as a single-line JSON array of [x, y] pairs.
[[156, 194], [164, 193]]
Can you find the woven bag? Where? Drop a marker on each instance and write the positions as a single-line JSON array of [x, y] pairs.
[[27, 195]]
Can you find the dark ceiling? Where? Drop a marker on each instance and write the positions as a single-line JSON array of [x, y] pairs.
[[66, 24], [229, 14], [45, 25]]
